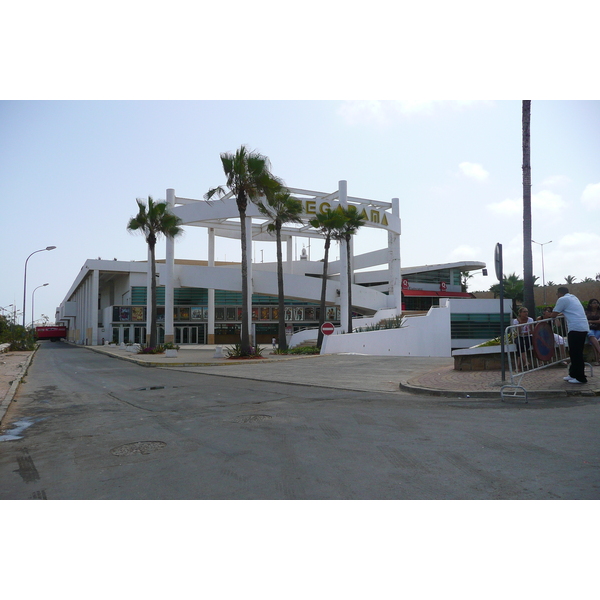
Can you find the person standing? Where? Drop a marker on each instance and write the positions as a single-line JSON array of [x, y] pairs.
[[524, 336], [593, 316], [577, 328]]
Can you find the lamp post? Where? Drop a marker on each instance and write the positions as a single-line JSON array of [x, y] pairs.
[[25, 278], [32, 296], [543, 276], [4, 309]]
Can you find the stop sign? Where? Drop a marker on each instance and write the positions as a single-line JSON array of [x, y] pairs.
[[327, 328]]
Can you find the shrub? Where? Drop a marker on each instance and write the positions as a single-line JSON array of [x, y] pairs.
[[305, 350], [235, 351], [149, 350], [26, 343], [393, 323]]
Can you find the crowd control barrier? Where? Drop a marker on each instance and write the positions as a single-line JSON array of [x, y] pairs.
[[531, 347]]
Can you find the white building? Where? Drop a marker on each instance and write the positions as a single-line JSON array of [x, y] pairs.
[[200, 301]]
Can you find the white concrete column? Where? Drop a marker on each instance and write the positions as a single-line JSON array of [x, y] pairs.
[[149, 276], [94, 305], [250, 283], [394, 264], [86, 310], [343, 194], [168, 281], [211, 292], [289, 256]]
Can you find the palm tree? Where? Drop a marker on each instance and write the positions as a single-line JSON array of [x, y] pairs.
[[528, 294], [327, 223], [153, 221], [280, 208], [569, 279], [353, 221], [248, 178], [513, 288], [464, 280]]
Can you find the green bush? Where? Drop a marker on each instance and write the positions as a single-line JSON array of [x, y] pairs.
[[26, 343], [305, 350], [149, 350], [235, 351], [300, 350]]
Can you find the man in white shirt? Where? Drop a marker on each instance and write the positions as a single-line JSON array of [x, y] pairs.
[[577, 327]]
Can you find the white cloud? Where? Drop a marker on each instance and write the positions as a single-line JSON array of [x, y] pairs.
[[547, 201], [473, 170], [382, 111], [591, 196], [544, 205], [507, 208], [555, 180]]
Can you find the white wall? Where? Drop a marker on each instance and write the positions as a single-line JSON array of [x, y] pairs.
[[427, 335]]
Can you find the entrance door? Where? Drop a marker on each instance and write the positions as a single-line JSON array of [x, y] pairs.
[[139, 335], [190, 334]]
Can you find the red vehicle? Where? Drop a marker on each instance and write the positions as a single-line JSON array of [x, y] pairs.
[[51, 332]]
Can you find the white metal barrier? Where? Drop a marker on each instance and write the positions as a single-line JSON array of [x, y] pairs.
[[531, 347]]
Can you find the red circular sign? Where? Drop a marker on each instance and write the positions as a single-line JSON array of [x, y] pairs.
[[327, 328]]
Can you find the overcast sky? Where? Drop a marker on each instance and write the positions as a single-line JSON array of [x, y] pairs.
[[73, 160]]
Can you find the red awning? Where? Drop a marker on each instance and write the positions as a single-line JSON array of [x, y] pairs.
[[432, 294]]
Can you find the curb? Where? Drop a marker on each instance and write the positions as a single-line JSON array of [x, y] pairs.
[[146, 363], [15, 385], [414, 389]]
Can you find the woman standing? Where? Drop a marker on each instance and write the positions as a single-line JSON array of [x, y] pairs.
[[592, 312], [524, 335]]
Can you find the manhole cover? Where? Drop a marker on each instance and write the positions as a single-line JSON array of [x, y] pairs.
[[137, 448], [252, 418]]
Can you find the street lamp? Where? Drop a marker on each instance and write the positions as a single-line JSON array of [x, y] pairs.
[[543, 277], [5, 308], [32, 296], [25, 278]]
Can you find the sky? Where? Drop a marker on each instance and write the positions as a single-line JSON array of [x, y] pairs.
[[70, 172]]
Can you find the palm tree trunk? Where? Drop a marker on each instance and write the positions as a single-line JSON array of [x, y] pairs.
[[349, 284], [244, 336], [152, 245], [323, 291], [528, 297], [281, 296]]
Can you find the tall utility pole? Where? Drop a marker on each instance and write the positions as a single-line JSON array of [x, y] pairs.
[[528, 297]]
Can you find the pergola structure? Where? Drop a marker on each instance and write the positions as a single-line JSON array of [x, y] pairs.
[[221, 218]]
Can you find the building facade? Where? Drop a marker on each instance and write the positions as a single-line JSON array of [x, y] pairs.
[[200, 301]]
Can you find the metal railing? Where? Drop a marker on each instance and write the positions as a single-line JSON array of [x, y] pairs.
[[531, 347]]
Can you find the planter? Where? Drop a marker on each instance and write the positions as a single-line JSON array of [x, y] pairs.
[[488, 358], [171, 353]]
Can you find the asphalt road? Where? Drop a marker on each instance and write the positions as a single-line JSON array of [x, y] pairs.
[[86, 426]]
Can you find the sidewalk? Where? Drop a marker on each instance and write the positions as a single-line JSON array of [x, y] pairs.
[[418, 375], [13, 366]]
